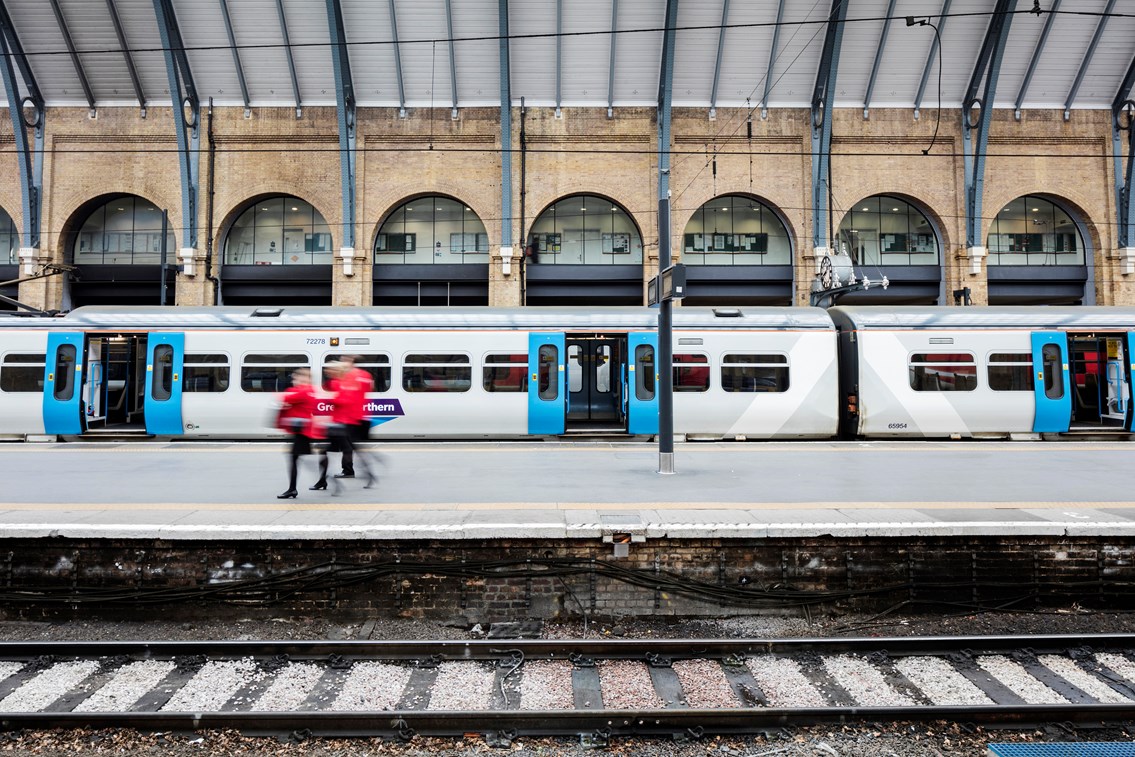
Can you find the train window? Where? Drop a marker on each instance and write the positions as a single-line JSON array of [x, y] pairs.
[[22, 372], [162, 387], [691, 373], [205, 373], [270, 372], [943, 372], [1011, 372], [575, 368], [644, 373], [64, 388], [548, 360], [1053, 371], [377, 365], [437, 373], [506, 373], [754, 373]]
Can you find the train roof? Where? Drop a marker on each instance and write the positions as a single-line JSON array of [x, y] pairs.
[[378, 318], [994, 317]]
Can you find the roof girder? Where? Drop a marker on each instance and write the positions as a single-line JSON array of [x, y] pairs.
[[772, 57], [236, 55], [822, 119], [345, 111], [291, 58], [121, 34], [717, 65], [878, 59], [397, 60], [70, 43], [1088, 55], [611, 59], [452, 56]]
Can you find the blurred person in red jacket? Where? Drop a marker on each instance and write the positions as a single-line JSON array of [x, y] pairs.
[[297, 417], [349, 422]]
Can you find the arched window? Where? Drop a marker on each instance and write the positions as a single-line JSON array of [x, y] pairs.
[[127, 230], [736, 230], [1033, 231], [279, 230], [9, 239], [432, 229], [585, 230], [885, 231]]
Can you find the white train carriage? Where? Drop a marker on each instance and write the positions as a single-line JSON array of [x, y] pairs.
[[985, 372], [474, 373]]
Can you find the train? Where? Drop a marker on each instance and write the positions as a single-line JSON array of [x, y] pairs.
[[739, 373]]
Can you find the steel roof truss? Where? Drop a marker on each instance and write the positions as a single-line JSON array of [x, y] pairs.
[[611, 59], [17, 50], [31, 175], [942, 18], [236, 57], [559, 54], [822, 119], [665, 100], [772, 58], [1123, 120], [78, 64], [506, 125], [188, 131], [976, 135], [717, 65], [121, 34], [878, 60], [291, 60], [397, 61], [452, 56], [1088, 54], [345, 109], [1036, 57]]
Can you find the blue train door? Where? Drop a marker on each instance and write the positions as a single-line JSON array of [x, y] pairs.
[[63, 382], [641, 389], [547, 389], [1130, 379], [1052, 383], [165, 357]]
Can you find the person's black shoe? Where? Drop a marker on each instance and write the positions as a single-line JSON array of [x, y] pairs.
[[319, 486], [345, 474], [289, 494]]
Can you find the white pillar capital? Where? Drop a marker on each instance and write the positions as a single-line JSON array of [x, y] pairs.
[[974, 256]]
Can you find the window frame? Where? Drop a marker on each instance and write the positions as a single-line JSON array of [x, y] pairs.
[[435, 362]]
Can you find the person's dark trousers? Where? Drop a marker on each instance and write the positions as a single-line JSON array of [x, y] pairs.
[[358, 432], [339, 437]]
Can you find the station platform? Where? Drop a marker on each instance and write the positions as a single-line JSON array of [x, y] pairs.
[[573, 490]]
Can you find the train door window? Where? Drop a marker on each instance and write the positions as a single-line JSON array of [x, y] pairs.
[[548, 359], [1010, 372], [162, 387], [943, 372], [270, 372], [505, 373], [377, 365], [603, 368], [437, 373], [754, 373], [205, 373], [64, 372], [1053, 371], [644, 373], [691, 373], [575, 368], [22, 372]]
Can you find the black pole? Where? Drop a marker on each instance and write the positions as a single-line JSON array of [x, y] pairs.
[[165, 231], [665, 349]]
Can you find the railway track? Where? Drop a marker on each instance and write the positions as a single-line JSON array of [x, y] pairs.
[[596, 689]]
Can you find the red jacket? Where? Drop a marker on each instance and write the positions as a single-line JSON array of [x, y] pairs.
[[350, 396], [298, 404]]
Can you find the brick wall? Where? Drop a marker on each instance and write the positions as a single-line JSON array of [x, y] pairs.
[[583, 151]]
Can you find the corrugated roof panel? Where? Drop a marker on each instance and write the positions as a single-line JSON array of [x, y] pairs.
[[1109, 64], [532, 60], [904, 59], [256, 26], [695, 55], [202, 28], [748, 44], [372, 53], [638, 55], [310, 36], [92, 30], [586, 54], [962, 41], [861, 35], [1067, 43], [41, 39], [425, 53], [478, 60], [798, 56], [140, 25]]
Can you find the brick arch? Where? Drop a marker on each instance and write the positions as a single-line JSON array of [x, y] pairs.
[[1076, 206], [680, 219], [590, 193], [396, 201], [79, 214], [924, 207], [234, 212]]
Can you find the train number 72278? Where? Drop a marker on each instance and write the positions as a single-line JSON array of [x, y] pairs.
[[315, 340]]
